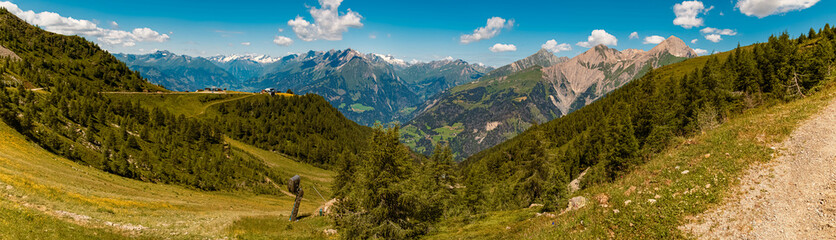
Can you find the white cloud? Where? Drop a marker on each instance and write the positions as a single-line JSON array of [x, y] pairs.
[[372, 36], [653, 39], [328, 23], [282, 41], [246, 43], [687, 14], [695, 40], [56, 23], [710, 30], [634, 35], [499, 47], [700, 51], [763, 8], [448, 58], [493, 27], [597, 37], [114, 25], [552, 46], [714, 37], [148, 35]]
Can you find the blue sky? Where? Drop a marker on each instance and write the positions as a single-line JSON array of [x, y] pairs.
[[422, 30]]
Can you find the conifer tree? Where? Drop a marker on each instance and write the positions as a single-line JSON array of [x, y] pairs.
[[375, 208], [623, 143]]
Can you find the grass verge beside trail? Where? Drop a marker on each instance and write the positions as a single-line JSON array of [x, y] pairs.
[[267, 227], [21, 223]]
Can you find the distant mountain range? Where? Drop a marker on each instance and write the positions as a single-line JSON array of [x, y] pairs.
[[475, 116], [440, 101], [367, 88], [429, 79], [179, 72], [244, 67]]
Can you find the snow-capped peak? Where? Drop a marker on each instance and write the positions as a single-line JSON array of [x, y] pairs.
[[391, 60], [252, 57]]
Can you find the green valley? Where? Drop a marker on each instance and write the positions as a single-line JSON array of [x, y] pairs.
[[666, 143]]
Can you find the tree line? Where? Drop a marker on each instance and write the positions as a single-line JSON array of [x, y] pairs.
[[306, 128]]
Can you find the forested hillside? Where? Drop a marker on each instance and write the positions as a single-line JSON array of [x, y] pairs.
[[305, 127], [54, 55], [633, 123], [53, 96], [71, 118]]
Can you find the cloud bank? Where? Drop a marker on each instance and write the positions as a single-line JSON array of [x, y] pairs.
[[499, 47], [328, 23], [56, 23], [282, 41], [490, 30], [716, 35], [653, 39], [598, 37], [552, 46], [763, 8], [687, 14]]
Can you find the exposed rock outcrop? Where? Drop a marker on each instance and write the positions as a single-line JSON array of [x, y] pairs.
[[8, 53], [542, 58], [590, 75]]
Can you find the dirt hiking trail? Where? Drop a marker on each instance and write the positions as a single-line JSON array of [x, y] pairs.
[[791, 197]]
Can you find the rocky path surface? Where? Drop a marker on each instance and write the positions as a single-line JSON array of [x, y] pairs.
[[791, 197]]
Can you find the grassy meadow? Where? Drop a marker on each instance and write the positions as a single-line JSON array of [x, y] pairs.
[[48, 196]]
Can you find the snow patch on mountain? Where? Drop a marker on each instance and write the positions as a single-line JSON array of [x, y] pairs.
[[259, 58], [392, 60]]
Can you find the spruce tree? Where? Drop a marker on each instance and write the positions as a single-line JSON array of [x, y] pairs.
[[623, 142], [375, 208]]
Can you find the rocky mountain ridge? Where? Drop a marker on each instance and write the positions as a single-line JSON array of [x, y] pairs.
[[542, 58], [365, 87], [179, 72], [478, 115], [600, 70]]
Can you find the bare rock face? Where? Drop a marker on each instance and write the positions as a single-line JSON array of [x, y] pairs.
[[674, 46], [8, 53], [592, 74], [542, 58]]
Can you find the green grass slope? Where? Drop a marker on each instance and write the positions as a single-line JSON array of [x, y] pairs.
[[187, 104], [59, 197]]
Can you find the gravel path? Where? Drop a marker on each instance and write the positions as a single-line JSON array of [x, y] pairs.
[[791, 197]]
